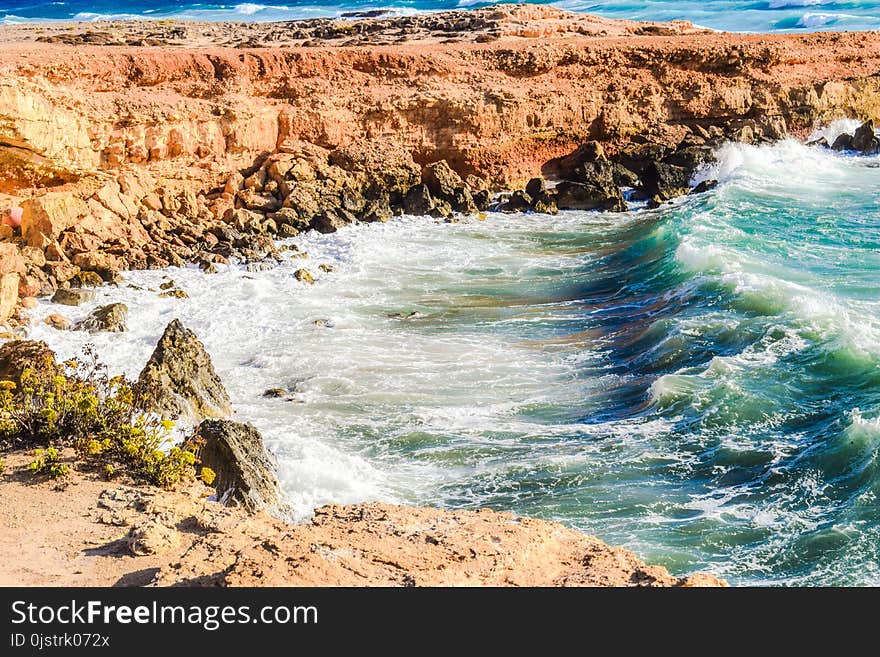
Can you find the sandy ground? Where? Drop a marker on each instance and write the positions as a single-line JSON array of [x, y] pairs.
[[90, 532]]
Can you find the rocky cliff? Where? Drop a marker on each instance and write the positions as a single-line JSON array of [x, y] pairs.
[[148, 144]]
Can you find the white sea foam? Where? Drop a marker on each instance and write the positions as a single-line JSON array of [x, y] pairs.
[[250, 8], [812, 19], [372, 377]]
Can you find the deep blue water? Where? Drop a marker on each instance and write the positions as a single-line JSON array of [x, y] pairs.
[[735, 15]]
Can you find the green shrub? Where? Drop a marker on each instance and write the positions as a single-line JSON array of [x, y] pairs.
[[78, 405], [48, 462]]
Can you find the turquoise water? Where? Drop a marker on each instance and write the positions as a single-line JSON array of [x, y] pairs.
[[734, 15], [699, 383]]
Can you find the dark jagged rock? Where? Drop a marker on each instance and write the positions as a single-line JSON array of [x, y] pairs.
[[462, 201], [690, 157], [519, 201], [482, 199], [545, 203], [583, 196], [665, 180], [535, 187], [179, 380], [637, 158], [565, 166], [704, 186], [245, 472], [112, 318], [623, 177], [843, 142], [865, 140], [418, 200]]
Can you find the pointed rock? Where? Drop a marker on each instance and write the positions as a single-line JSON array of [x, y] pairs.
[[179, 380]]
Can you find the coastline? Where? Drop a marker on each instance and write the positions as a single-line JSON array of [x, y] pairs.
[[111, 149]]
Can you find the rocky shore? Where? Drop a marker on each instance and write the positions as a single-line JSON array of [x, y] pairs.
[[131, 145], [116, 156], [87, 528]]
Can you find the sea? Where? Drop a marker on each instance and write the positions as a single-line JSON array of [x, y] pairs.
[[698, 382], [730, 15]]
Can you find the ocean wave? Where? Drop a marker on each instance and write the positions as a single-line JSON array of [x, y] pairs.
[[250, 8], [811, 20], [785, 4], [89, 16]]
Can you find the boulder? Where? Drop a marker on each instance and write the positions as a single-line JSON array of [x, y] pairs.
[[623, 177], [665, 180], [441, 180], [19, 355], [545, 203], [112, 318], [519, 201], [462, 201], [11, 260], [328, 222], [864, 139], [704, 186], [389, 168], [535, 187], [584, 196], [57, 321], [245, 473], [418, 201], [179, 380], [104, 264], [482, 199], [843, 142], [73, 296], [304, 276], [153, 536]]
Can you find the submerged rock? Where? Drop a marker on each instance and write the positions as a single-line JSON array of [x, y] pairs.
[[57, 321], [304, 276], [245, 471], [112, 318], [704, 186], [73, 296], [179, 380]]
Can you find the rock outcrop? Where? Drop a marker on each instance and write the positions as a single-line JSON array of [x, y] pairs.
[[179, 381], [245, 473], [18, 355]]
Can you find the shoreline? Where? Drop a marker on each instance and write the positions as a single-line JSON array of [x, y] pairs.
[[148, 155]]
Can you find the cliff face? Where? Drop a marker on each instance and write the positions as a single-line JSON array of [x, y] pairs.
[[499, 109], [133, 153]]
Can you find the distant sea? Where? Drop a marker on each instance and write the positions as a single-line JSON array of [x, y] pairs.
[[731, 15]]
